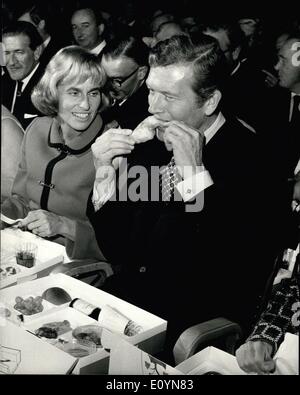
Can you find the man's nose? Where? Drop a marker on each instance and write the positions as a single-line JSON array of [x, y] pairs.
[[276, 67], [11, 59], [78, 32], [155, 104]]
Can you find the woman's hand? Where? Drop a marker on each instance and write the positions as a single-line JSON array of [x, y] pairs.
[[113, 143], [255, 357], [46, 224]]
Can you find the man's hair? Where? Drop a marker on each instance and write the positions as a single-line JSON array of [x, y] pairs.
[[25, 28], [130, 47], [293, 34], [169, 17], [200, 51], [91, 8], [234, 32], [42, 12], [71, 64]]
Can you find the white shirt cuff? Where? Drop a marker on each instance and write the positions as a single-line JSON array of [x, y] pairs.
[[191, 186], [104, 186]]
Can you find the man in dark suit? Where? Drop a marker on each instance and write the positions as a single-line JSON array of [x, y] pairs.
[[125, 62], [44, 18], [88, 28], [281, 137], [288, 99], [246, 90], [22, 45], [204, 255]]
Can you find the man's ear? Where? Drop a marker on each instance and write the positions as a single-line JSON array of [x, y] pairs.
[[101, 29], [142, 72], [149, 41], [37, 52], [41, 25], [212, 102], [236, 53]]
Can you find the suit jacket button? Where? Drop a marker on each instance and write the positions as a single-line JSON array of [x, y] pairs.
[[143, 269]]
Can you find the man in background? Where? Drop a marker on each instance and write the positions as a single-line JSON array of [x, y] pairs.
[[22, 48], [88, 28]]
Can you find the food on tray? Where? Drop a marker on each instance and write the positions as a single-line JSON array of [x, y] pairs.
[[52, 330], [4, 312], [88, 332], [7, 271], [56, 295], [79, 348], [78, 352], [44, 331], [146, 130], [30, 305]]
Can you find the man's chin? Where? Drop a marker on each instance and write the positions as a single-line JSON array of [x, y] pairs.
[[15, 76]]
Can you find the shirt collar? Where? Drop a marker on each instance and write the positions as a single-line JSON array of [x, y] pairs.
[[127, 97], [46, 42], [236, 68], [27, 79], [98, 49], [82, 140], [212, 130], [293, 94]]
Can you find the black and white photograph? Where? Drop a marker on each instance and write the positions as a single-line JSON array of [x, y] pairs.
[[150, 191]]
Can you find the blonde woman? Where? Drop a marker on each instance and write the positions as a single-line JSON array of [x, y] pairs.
[[56, 171]]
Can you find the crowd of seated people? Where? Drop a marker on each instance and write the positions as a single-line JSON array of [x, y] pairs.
[[221, 117]]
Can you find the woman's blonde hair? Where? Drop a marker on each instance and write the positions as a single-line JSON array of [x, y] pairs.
[[71, 64]]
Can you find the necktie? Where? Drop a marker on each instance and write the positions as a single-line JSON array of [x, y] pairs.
[[169, 177], [295, 133], [296, 111], [17, 111]]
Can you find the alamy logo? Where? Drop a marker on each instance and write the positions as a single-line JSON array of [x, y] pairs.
[[296, 315], [296, 55], [141, 184]]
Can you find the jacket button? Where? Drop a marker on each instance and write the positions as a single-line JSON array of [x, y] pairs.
[[143, 269]]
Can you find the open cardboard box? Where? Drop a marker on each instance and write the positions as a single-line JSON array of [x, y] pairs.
[[23, 353], [213, 359], [49, 254], [126, 359], [210, 359], [151, 339]]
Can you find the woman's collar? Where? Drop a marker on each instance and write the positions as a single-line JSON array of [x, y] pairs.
[[81, 140]]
